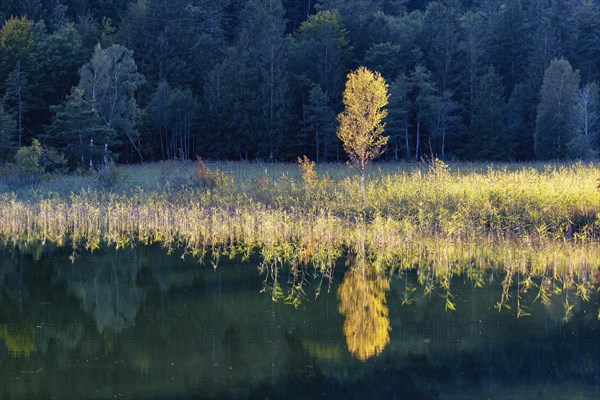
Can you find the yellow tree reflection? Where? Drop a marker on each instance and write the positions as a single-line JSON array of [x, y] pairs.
[[362, 297], [20, 341]]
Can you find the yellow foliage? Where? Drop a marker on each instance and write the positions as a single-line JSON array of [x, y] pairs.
[[361, 125], [309, 176], [20, 341], [362, 302]]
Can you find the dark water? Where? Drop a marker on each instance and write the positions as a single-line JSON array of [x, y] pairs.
[[140, 324]]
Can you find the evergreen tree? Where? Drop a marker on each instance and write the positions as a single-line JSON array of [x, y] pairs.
[[488, 128], [260, 81], [16, 41], [586, 55], [520, 123], [384, 57], [15, 99], [447, 121], [473, 47], [398, 120], [80, 133], [321, 54], [320, 123], [53, 69], [8, 131], [424, 98], [508, 49], [182, 114], [157, 114], [441, 42], [557, 99]]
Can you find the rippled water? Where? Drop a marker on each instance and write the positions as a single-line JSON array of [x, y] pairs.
[[142, 324]]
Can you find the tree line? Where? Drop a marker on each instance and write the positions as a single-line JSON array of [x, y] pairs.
[[141, 80]]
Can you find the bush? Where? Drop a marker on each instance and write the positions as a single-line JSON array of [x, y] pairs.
[[110, 176], [28, 158], [208, 178]]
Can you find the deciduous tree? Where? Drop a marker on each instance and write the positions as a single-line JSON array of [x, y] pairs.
[[585, 122], [361, 125], [109, 82]]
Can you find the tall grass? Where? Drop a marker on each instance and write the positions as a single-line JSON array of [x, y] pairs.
[[530, 220]]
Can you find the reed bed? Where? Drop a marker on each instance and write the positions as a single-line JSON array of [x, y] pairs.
[[532, 221]]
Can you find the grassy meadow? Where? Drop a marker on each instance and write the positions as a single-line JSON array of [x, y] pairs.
[[537, 221]]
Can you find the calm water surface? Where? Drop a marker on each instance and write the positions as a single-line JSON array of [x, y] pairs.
[[141, 324]]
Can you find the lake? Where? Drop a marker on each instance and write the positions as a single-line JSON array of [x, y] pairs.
[[144, 324]]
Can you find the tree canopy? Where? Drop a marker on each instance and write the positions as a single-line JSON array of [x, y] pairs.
[[264, 79]]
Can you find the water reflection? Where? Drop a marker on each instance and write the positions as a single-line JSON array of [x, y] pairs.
[[19, 340], [106, 288], [362, 297], [145, 325]]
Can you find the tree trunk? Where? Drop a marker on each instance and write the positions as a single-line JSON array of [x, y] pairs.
[[406, 137], [418, 146]]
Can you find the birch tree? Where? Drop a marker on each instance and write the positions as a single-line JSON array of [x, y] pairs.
[[361, 125]]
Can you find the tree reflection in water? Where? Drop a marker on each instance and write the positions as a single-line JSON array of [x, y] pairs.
[[362, 297]]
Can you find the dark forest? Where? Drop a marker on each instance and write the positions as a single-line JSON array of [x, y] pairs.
[[146, 80]]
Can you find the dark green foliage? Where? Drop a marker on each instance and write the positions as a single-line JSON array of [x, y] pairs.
[[508, 50], [586, 58], [321, 55], [489, 135], [320, 124], [243, 74], [398, 120], [171, 115], [440, 42], [16, 99], [256, 74], [8, 136], [54, 62], [557, 100], [80, 133], [519, 123], [108, 85], [424, 97], [383, 57]]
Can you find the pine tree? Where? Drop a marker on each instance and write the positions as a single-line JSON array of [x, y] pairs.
[[488, 128], [424, 98], [398, 121], [16, 41], [320, 121], [8, 131], [15, 98], [557, 99], [260, 81], [80, 133]]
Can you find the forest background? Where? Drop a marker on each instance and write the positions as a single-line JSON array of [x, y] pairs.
[[95, 81]]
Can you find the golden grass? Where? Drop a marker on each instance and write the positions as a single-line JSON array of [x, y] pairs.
[[529, 220]]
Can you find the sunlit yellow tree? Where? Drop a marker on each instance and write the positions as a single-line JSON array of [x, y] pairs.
[[361, 125]]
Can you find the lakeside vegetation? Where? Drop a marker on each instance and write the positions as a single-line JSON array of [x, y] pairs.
[[530, 220]]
